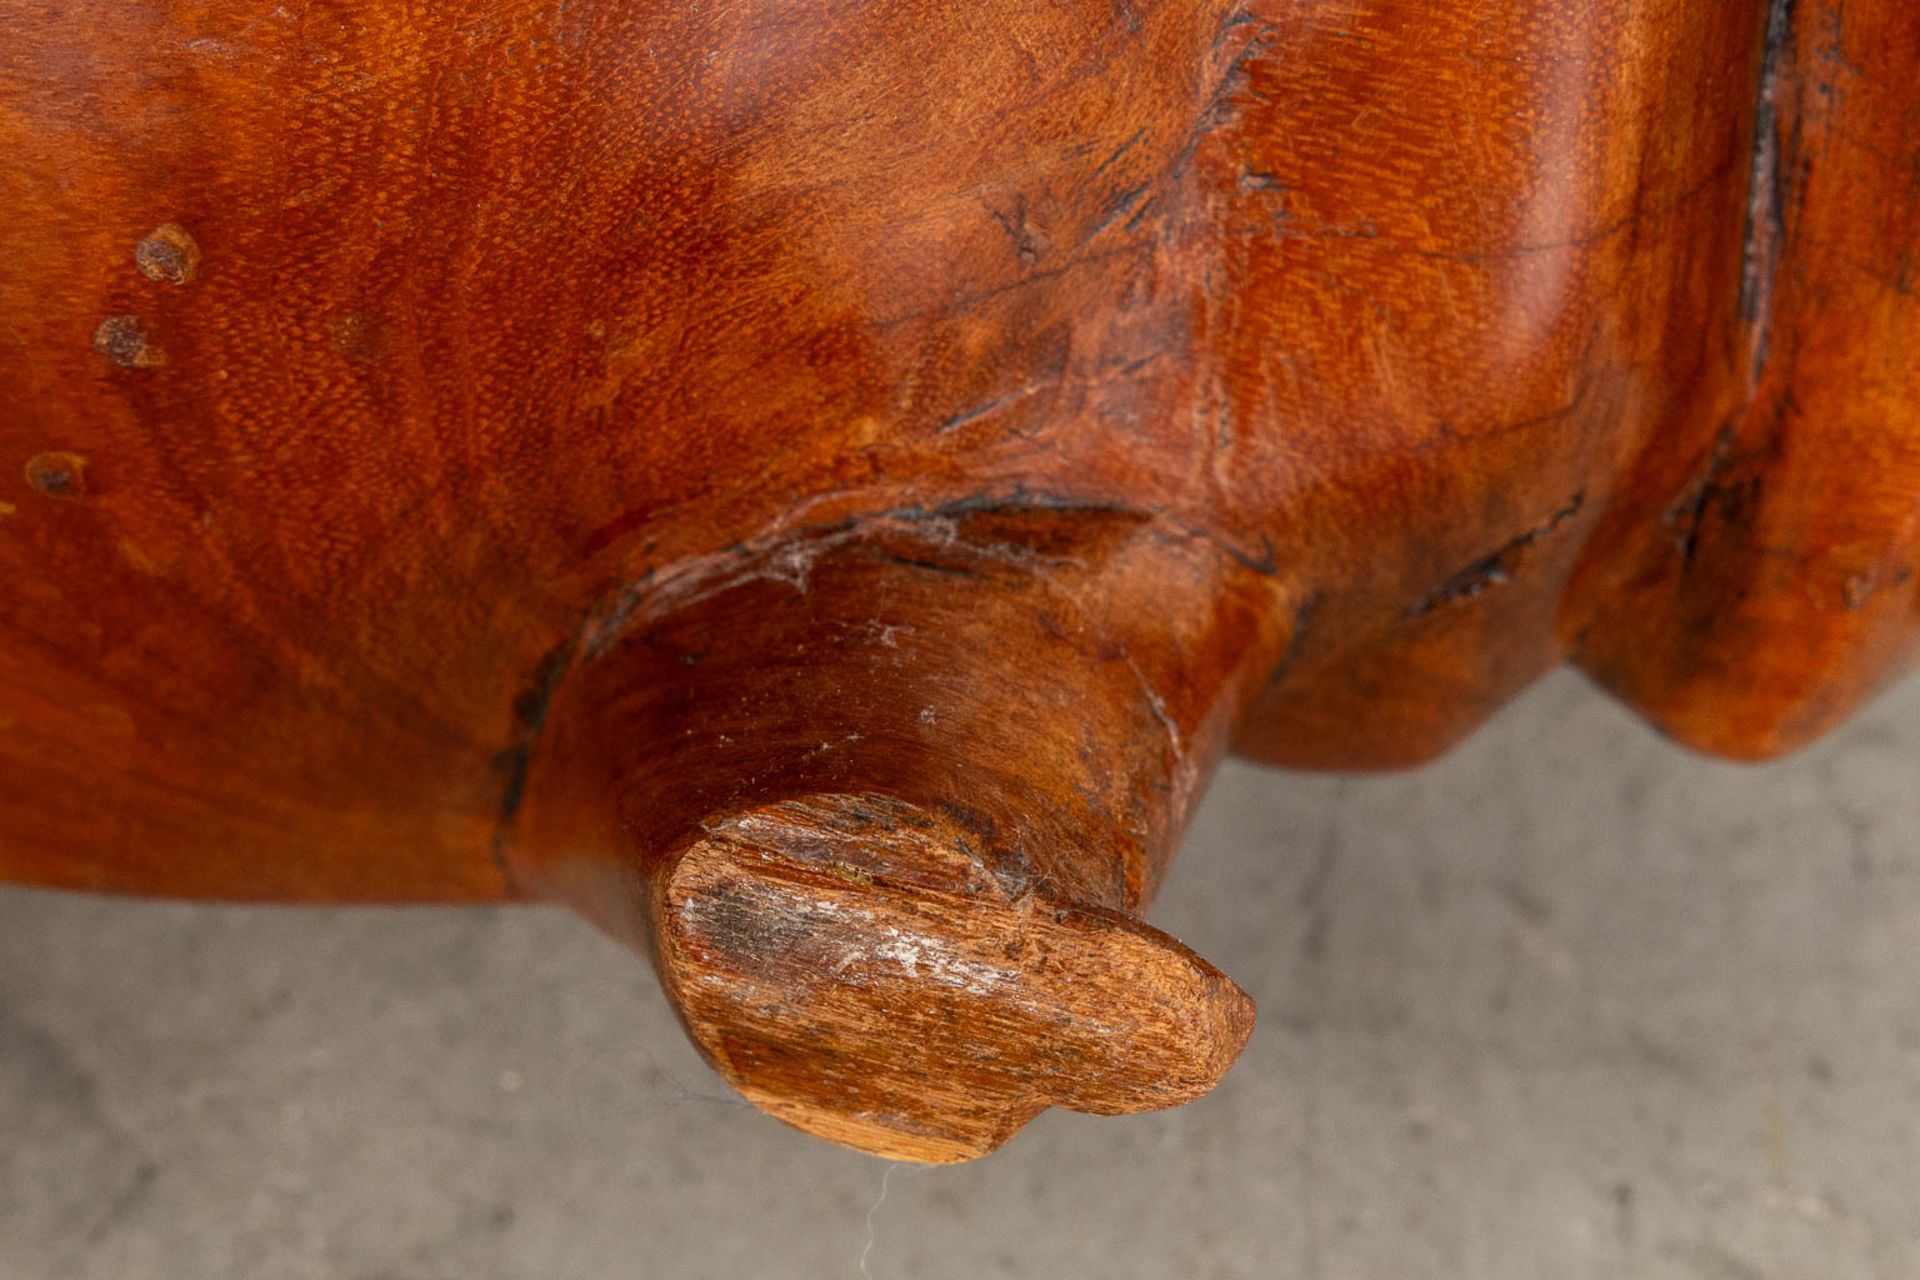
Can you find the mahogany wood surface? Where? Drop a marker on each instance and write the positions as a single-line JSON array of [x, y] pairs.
[[815, 486]]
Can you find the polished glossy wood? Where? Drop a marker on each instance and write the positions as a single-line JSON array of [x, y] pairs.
[[816, 486]]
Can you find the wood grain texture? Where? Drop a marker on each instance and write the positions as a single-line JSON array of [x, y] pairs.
[[886, 798], [731, 467]]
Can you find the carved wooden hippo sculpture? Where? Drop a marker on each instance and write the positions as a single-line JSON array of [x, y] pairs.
[[816, 486]]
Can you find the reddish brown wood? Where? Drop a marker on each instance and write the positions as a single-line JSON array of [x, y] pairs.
[[891, 887], [816, 487]]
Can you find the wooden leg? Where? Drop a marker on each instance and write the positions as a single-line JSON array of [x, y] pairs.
[[884, 802]]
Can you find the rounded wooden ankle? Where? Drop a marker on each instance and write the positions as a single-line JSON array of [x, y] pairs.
[[883, 802]]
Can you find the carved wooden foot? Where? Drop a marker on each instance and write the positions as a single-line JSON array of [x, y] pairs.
[[857, 968], [887, 798]]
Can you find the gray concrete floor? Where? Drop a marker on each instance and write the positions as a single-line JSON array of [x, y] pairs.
[[1568, 1004]]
